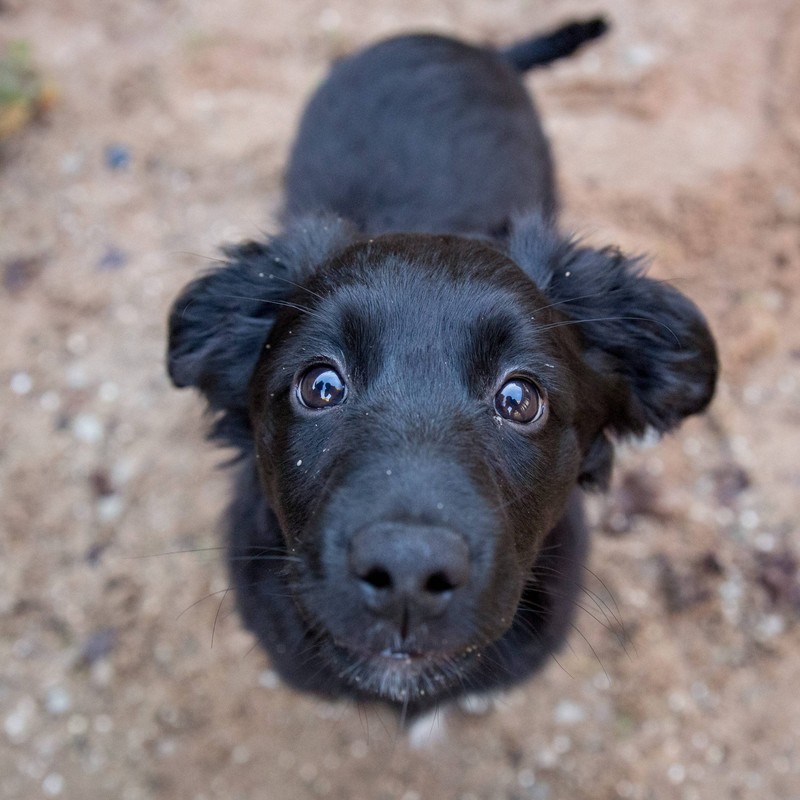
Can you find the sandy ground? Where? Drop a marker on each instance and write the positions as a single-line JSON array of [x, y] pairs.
[[678, 136]]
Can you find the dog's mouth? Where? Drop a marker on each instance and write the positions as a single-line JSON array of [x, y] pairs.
[[404, 675]]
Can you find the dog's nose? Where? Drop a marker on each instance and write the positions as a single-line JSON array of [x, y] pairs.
[[408, 571]]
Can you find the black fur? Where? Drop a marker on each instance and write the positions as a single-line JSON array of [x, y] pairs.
[[420, 259]]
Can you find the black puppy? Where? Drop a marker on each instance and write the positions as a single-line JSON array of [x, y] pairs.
[[418, 373]]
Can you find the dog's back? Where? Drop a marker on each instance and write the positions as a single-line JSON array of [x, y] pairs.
[[425, 133]]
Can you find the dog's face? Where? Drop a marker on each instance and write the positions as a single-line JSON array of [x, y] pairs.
[[420, 409]]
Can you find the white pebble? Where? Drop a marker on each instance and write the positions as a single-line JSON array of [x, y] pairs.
[[749, 519], [53, 784], [676, 773], [569, 713], [765, 542], [110, 508], [16, 724], [71, 163], [77, 378], [640, 55], [547, 758], [21, 383], [770, 626], [87, 428], [299, 462], [57, 701], [108, 391], [269, 679]]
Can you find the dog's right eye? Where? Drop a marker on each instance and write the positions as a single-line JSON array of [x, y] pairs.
[[321, 387]]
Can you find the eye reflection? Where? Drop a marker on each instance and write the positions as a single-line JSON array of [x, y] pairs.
[[520, 401], [321, 387]]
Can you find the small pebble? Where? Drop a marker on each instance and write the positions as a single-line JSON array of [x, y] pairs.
[[108, 392], [112, 258], [71, 163], [117, 157], [57, 701], [676, 773], [16, 724], [53, 784], [569, 713], [21, 383], [269, 679], [98, 646], [87, 428], [640, 55], [770, 626], [109, 509], [19, 273]]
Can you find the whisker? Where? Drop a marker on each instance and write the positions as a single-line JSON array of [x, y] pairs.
[[216, 616], [594, 652], [175, 552], [205, 597], [284, 303], [562, 323]]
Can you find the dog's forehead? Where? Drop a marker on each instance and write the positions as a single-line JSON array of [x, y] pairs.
[[438, 306], [426, 284]]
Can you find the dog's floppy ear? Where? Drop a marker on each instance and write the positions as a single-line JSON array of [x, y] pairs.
[[649, 345], [219, 322]]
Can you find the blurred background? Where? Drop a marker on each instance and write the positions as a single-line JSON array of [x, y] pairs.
[[137, 136]]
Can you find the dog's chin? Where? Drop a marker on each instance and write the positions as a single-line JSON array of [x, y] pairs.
[[404, 677]]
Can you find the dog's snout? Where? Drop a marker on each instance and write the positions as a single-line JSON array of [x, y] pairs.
[[408, 571]]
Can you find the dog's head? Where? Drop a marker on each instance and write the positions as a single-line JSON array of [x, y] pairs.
[[420, 409]]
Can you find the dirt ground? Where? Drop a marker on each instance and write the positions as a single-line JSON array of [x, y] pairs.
[[123, 672]]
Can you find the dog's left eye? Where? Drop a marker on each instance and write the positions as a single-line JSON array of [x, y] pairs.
[[520, 400], [321, 387]]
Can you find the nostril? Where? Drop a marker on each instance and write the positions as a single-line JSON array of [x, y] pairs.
[[439, 583], [377, 578]]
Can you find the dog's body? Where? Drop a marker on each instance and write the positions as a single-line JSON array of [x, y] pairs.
[[419, 373]]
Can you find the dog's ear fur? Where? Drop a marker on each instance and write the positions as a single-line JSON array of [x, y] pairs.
[[648, 344], [220, 321]]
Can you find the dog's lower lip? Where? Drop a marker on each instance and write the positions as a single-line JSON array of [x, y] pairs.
[[401, 655]]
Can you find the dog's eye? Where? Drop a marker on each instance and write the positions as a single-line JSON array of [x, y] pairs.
[[520, 401], [321, 387]]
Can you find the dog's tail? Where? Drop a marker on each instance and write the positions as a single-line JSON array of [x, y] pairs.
[[548, 47]]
